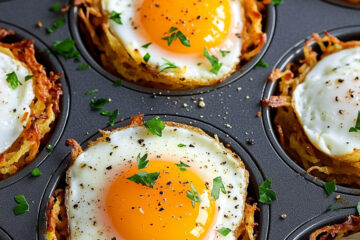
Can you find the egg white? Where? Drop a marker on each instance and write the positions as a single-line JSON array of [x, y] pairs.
[[327, 103], [14, 103], [196, 66], [88, 176]]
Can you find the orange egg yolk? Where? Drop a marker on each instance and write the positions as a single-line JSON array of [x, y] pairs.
[[164, 212], [204, 23]]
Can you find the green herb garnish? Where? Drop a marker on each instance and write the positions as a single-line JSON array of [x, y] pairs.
[[22, 205], [330, 187], [193, 195], [50, 148], [266, 194], [56, 25], [182, 166], [146, 45], [277, 2], [224, 231], [214, 61], [90, 92], [13, 80], [224, 53], [145, 179], [28, 77], [36, 172], [358, 207], [97, 104], [142, 162], [331, 206], [357, 124], [116, 17], [83, 67], [56, 7], [181, 145], [155, 126], [146, 57], [261, 63], [112, 116], [66, 49], [117, 83], [217, 186], [167, 65], [177, 35]]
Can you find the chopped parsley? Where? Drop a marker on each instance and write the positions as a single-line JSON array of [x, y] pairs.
[[146, 45], [145, 179], [214, 61], [331, 206], [90, 92], [116, 17], [83, 67], [224, 53], [358, 207], [181, 145], [330, 187], [146, 57], [193, 195], [217, 186], [117, 83], [28, 77], [56, 7], [36, 172], [22, 205], [50, 148], [155, 126], [142, 162], [56, 25], [177, 35], [112, 116], [97, 104], [224, 231], [357, 124], [13, 80], [167, 65], [182, 166], [277, 2], [267, 195], [261, 63], [66, 49]]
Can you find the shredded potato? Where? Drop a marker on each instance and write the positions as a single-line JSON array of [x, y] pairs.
[[291, 135], [44, 107], [114, 57], [337, 231]]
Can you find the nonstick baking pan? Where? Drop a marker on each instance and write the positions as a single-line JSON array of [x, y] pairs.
[[231, 111]]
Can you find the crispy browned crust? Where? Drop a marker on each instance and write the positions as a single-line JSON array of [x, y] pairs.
[[344, 169], [247, 230], [114, 57], [337, 231], [57, 221], [44, 108]]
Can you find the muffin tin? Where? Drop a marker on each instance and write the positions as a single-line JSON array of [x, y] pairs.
[[230, 111]]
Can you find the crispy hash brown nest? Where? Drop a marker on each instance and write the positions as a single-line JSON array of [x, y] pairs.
[[337, 231], [114, 57], [291, 134], [57, 223], [44, 107]]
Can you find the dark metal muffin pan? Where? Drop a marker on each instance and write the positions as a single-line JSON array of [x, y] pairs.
[[230, 112]]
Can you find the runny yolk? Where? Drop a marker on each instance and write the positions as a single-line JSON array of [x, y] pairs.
[[164, 212], [204, 23]]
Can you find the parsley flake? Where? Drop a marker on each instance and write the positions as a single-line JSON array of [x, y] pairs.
[[22, 205], [277, 2], [224, 53], [97, 104], [224, 231], [357, 124], [177, 35], [217, 186], [146, 45], [261, 63], [66, 49], [145, 179], [13, 80], [56, 25], [155, 126], [142, 162], [193, 195], [90, 92], [117, 83], [214, 61], [146, 57], [112, 116], [28, 77], [167, 65], [267, 195], [83, 67], [116, 17], [358, 207], [56, 7], [182, 166], [50, 148], [36, 172], [181, 145], [330, 187]]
